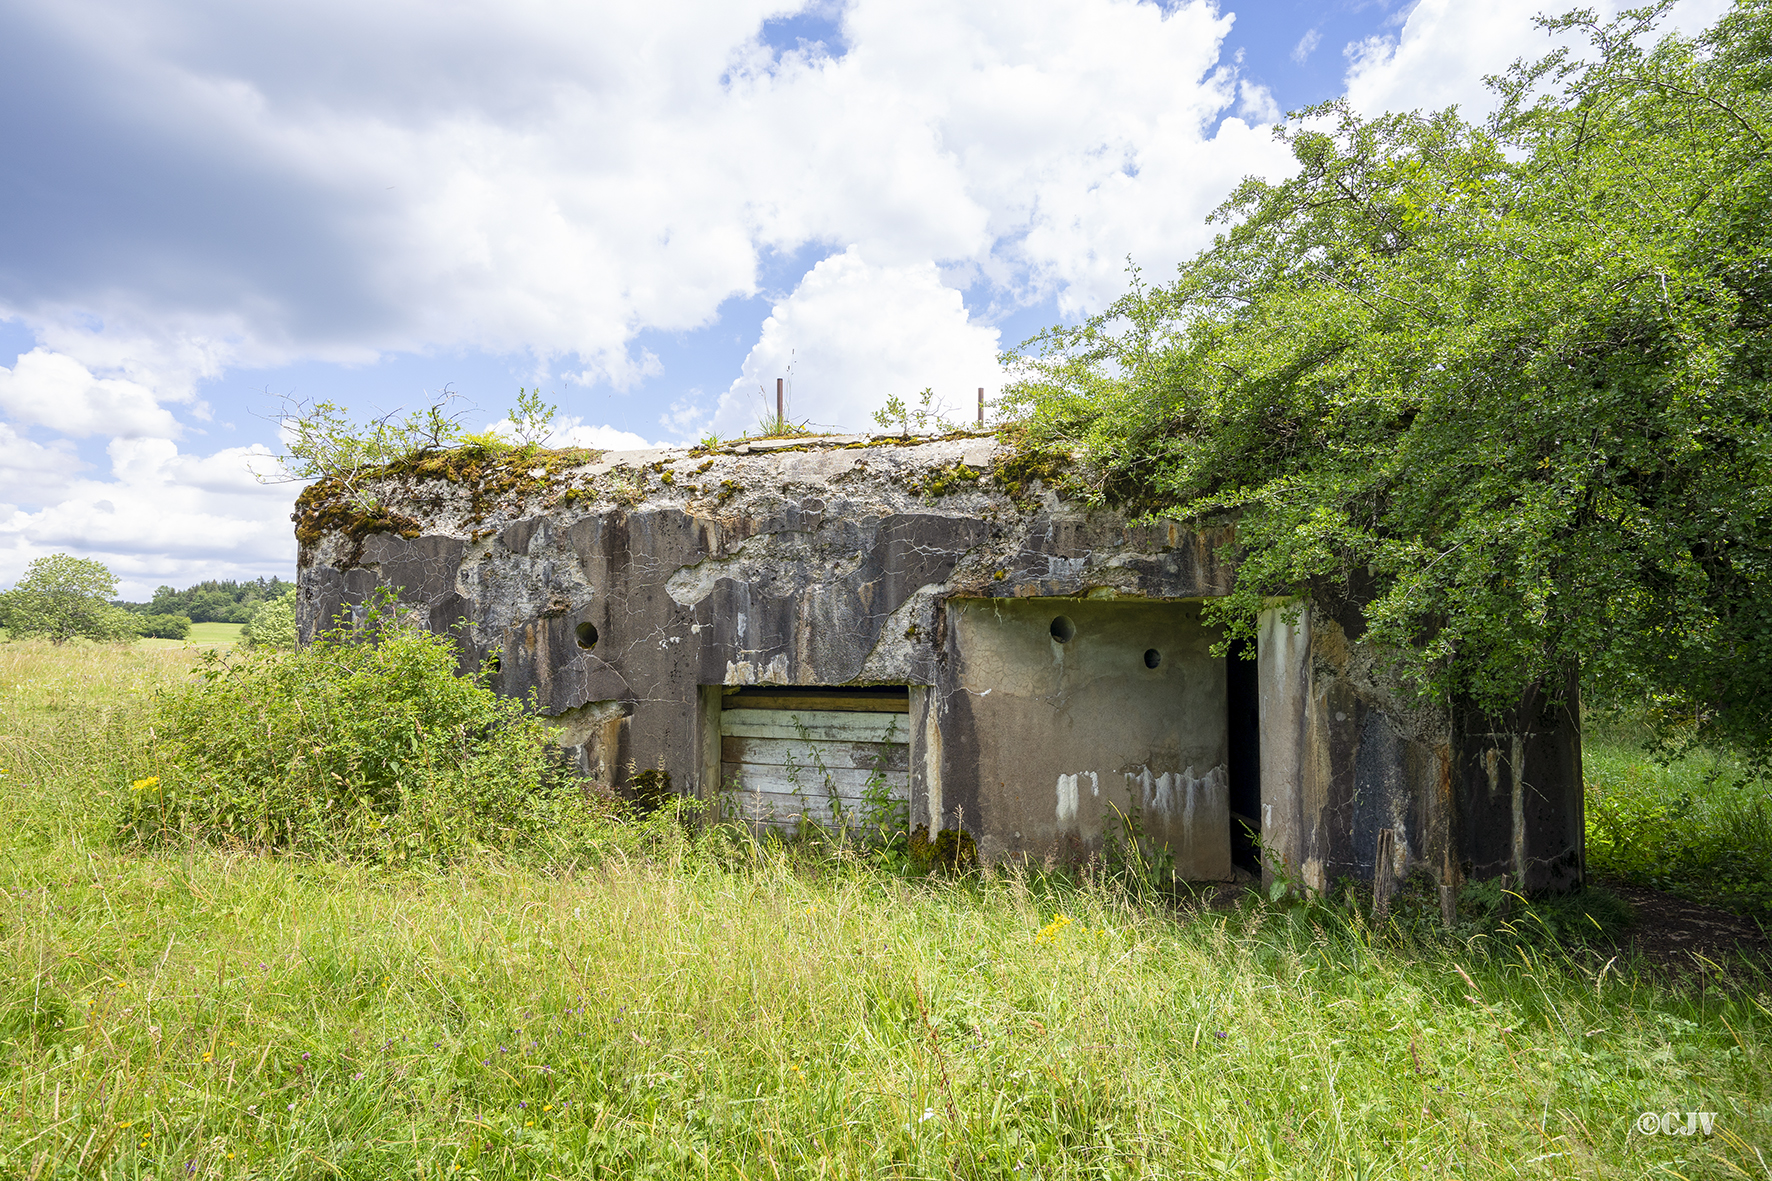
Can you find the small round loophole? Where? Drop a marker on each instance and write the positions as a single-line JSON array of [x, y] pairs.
[[1063, 630], [586, 633], [1152, 658]]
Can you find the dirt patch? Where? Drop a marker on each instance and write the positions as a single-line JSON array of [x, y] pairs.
[[1673, 937], [1688, 938]]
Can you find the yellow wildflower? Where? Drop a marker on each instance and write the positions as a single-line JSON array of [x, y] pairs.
[[147, 784], [1051, 931]]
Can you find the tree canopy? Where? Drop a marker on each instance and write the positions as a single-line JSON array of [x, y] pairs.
[[61, 597], [215, 601], [1504, 386], [272, 624]]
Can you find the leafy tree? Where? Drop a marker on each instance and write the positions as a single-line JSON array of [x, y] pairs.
[[62, 597], [272, 624], [1503, 387], [163, 627]]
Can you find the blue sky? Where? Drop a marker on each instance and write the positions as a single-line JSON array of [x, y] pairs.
[[648, 211]]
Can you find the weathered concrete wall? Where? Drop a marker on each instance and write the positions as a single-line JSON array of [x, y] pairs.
[[620, 593], [1071, 716], [1347, 752]]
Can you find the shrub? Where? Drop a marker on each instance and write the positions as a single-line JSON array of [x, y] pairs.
[[273, 624], [163, 627], [363, 744], [62, 597]]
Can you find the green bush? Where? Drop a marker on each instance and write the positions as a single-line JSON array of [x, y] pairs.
[[363, 744], [1696, 826], [272, 624], [163, 627]]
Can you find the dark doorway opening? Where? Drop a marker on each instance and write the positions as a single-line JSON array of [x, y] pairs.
[[1243, 718]]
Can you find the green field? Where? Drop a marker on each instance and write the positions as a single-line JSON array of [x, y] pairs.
[[203, 635], [692, 1005]]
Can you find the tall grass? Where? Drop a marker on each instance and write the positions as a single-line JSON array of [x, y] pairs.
[[718, 1009]]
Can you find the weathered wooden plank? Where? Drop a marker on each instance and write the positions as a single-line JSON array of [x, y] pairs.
[[849, 783], [888, 756], [814, 725], [754, 699], [786, 810]]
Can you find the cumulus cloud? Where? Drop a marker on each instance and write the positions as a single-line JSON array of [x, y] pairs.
[[164, 515], [213, 186], [32, 472], [55, 391], [1445, 49], [572, 431], [341, 180], [855, 334]]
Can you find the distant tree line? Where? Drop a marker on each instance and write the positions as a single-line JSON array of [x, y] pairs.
[[213, 601]]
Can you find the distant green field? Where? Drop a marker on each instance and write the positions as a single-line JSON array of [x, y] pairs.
[[206, 635]]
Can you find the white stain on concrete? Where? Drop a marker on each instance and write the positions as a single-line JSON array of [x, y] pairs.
[[1177, 794], [1070, 790], [1067, 799]]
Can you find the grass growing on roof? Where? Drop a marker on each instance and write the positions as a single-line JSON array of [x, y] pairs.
[[698, 1007]]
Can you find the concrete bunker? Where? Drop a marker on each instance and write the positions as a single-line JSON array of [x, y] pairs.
[[825, 626]]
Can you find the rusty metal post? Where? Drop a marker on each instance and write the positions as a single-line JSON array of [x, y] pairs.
[[980, 405], [778, 406]]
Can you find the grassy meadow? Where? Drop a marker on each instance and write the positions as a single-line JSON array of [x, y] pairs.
[[687, 1004], [203, 635]]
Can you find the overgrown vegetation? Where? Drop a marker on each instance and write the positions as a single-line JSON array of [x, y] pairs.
[[1506, 386], [364, 744], [675, 1002], [1695, 825], [490, 476], [347, 457]]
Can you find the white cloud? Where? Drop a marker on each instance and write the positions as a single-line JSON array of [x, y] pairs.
[[1257, 104], [1447, 47], [571, 431], [58, 392], [1306, 46], [33, 472], [856, 334], [345, 179], [340, 180], [163, 517]]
